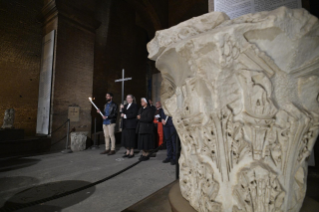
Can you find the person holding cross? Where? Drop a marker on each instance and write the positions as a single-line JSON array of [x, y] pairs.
[[109, 120]]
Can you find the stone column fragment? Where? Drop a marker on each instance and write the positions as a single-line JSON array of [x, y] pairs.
[[243, 95]]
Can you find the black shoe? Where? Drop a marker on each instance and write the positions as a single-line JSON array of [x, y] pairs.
[[173, 162], [112, 152], [141, 158], [126, 156], [105, 152], [131, 156], [144, 158], [153, 155], [167, 160]]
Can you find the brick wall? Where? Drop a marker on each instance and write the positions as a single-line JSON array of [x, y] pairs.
[[73, 78], [20, 59]]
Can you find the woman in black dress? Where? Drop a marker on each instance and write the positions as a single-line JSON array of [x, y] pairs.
[[145, 127], [128, 125]]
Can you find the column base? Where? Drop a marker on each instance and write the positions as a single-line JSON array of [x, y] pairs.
[[180, 204]]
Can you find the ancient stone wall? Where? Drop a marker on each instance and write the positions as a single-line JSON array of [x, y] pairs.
[[20, 59]]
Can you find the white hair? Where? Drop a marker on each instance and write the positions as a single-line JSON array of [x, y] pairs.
[[144, 99]]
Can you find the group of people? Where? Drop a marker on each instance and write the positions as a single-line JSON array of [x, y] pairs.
[[144, 128]]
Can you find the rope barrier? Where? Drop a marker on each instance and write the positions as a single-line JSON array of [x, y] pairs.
[[60, 127], [18, 207]]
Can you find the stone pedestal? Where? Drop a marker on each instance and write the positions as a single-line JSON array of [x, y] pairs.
[[243, 95], [78, 141], [180, 204]]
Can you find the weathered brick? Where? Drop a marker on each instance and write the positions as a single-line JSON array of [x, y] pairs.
[[20, 59]]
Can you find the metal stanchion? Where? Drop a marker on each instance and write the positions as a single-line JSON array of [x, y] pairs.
[[67, 149], [95, 145], [177, 156]]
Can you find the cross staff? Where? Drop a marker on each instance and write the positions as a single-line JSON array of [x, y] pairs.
[[122, 80]]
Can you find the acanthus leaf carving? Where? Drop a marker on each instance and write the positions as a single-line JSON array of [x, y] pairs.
[[247, 119]]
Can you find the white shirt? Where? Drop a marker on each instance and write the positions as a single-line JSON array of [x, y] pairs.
[[128, 106]]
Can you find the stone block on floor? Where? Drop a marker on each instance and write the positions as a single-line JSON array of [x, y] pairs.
[[78, 141]]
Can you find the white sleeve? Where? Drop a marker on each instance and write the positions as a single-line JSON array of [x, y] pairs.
[[124, 116]]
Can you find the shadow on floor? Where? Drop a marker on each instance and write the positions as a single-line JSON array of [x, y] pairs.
[[17, 163], [18, 201], [9, 183]]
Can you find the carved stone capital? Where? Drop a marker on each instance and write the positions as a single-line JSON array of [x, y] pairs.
[[243, 95]]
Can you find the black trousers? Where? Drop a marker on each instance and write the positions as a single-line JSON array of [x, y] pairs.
[[170, 140]]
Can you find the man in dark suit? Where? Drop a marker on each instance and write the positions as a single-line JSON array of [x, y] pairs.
[[150, 103], [128, 125], [170, 138]]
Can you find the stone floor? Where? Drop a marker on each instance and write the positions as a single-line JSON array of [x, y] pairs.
[[28, 179]]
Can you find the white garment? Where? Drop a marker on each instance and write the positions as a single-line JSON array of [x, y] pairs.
[[128, 106]]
